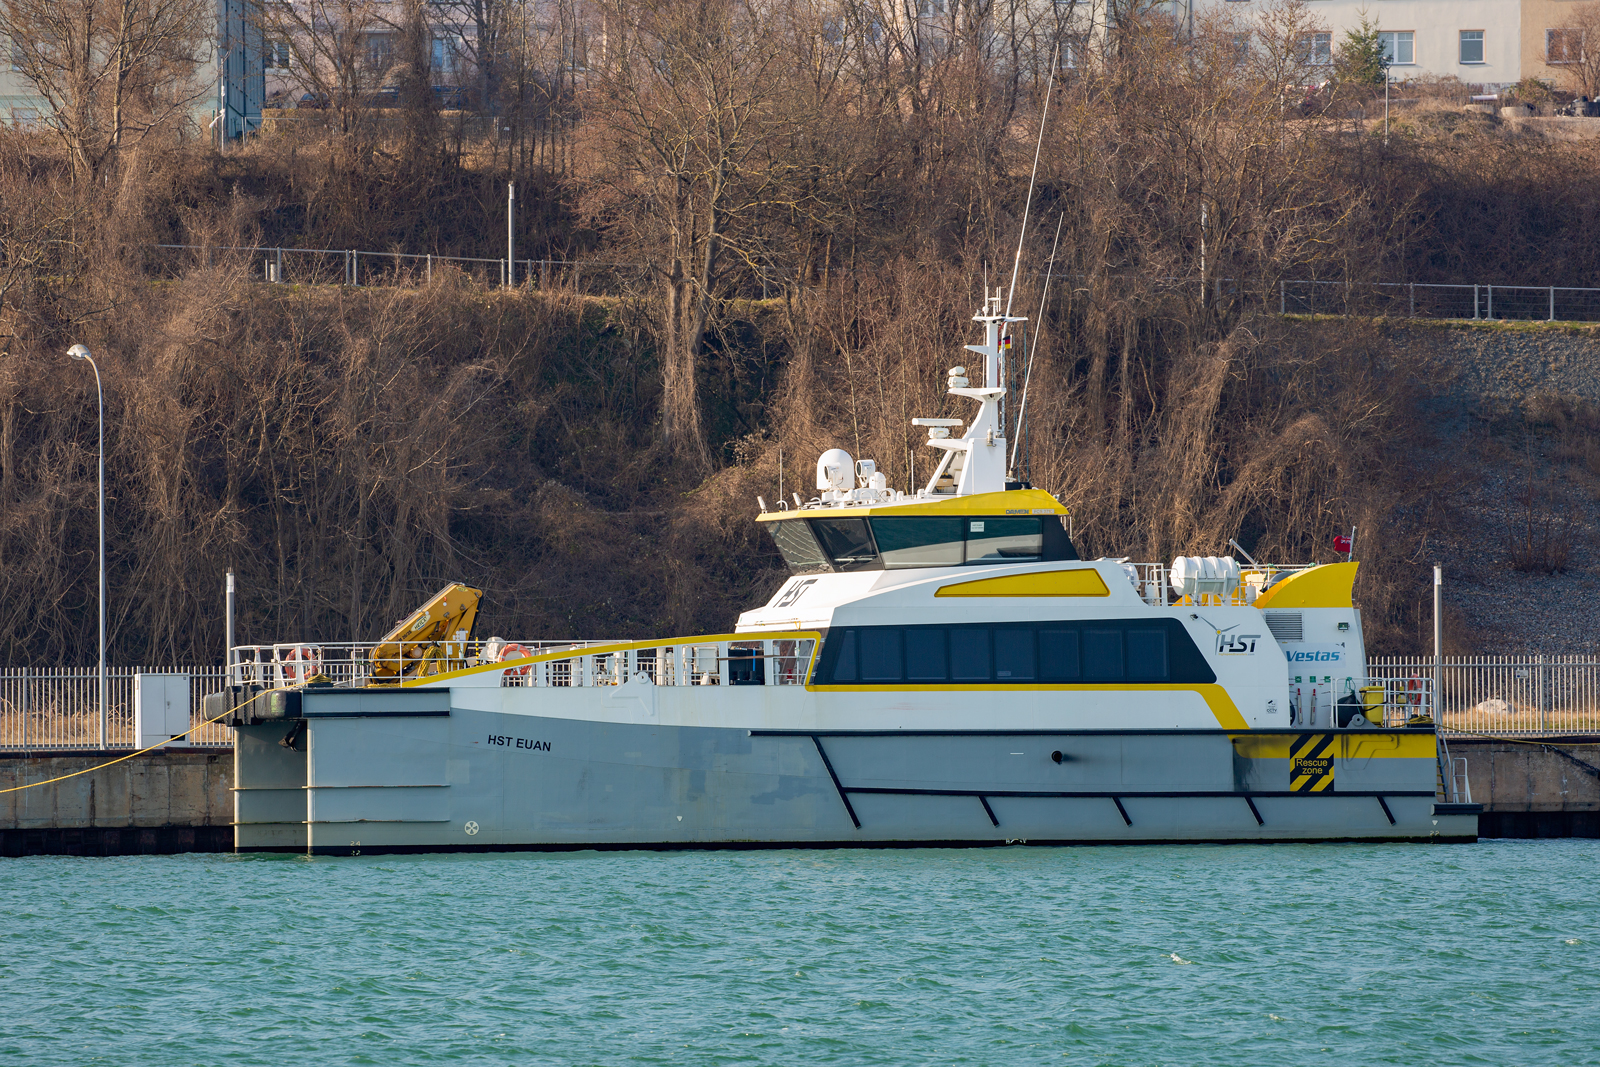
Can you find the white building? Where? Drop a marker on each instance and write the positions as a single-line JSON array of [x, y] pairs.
[[1476, 41], [227, 82]]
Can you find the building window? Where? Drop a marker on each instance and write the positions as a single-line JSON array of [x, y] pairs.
[[1072, 51], [446, 57], [379, 50], [1563, 46], [18, 57], [277, 55], [1399, 47], [1317, 49], [1472, 46], [25, 118]]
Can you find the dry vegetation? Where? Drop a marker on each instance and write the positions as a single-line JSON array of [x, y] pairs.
[[593, 463]]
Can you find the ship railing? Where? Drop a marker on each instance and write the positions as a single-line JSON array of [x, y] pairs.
[[1154, 584], [697, 661], [353, 664], [1390, 702], [1325, 703], [700, 661]]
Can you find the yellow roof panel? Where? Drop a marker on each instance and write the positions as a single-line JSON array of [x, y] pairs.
[[1011, 502]]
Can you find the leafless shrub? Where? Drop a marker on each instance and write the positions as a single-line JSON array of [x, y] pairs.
[[1540, 527]]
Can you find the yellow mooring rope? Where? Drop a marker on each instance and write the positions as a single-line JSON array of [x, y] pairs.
[[142, 751]]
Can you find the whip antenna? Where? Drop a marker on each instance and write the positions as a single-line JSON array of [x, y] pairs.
[[1016, 263], [1022, 411]]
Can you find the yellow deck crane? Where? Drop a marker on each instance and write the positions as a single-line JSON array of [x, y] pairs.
[[431, 640]]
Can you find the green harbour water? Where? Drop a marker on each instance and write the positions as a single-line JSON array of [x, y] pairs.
[[1181, 955]]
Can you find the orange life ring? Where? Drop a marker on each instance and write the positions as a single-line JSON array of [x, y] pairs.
[[302, 664], [1413, 694], [516, 651]]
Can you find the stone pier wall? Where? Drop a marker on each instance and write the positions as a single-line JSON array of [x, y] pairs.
[[171, 800], [1533, 789]]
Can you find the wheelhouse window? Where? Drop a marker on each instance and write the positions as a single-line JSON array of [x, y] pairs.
[[896, 542], [1110, 651], [799, 547], [933, 541], [847, 541], [1004, 539]]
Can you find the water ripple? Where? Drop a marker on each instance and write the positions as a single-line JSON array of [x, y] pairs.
[[1232, 956]]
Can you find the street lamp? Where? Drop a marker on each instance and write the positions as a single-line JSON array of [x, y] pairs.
[[82, 352]]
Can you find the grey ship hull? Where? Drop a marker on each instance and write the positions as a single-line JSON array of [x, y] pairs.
[[427, 777]]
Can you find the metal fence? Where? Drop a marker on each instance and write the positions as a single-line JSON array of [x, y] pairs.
[[594, 277], [349, 266], [1508, 694], [1417, 300], [1521, 695], [60, 708]]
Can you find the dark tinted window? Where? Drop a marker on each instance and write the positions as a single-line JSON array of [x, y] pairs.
[[998, 540], [799, 546], [969, 655], [880, 654], [1147, 655], [1058, 656], [1013, 655], [1111, 651], [847, 541], [925, 654], [919, 542], [1102, 655], [844, 667]]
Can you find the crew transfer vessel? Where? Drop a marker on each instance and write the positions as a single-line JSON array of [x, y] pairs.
[[940, 668]]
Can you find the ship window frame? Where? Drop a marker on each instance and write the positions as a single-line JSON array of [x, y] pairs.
[[940, 637], [894, 524], [1003, 540], [800, 531], [1054, 543], [873, 560], [1046, 674], [882, 650], [972, 654]]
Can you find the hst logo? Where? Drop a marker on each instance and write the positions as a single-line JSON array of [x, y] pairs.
[[794, 593], [1236, 644]]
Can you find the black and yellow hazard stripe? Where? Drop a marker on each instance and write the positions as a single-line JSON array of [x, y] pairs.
[[1311, 763]]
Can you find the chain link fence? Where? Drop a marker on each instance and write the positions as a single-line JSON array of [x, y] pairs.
[[355, 267], [1416, 300]]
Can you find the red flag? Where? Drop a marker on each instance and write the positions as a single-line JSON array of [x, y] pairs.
[[1341, 543]]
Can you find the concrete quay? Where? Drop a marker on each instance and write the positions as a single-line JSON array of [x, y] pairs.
[[172, 800], [1545, 787]]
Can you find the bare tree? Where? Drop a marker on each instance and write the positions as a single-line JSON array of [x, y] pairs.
[[1575, 47], [340, 51], [111, 71], [481, 32], [687, 99]]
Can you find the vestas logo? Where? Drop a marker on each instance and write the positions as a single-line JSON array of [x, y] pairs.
[[1326, 655]]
